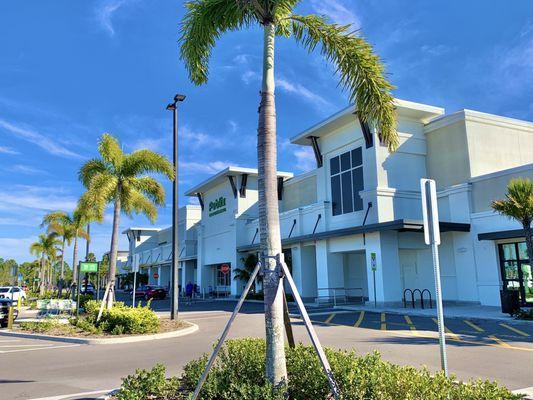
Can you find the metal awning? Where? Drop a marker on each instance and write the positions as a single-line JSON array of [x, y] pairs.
[[511, 234], [400, 225]]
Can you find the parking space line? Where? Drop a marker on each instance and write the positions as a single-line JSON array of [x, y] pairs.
[[453, 336], [328, 320], [383, 323], [411, 325], [500, 342], [515, 330], [25, 345], [474, 326], [359, 320], [39, 348]]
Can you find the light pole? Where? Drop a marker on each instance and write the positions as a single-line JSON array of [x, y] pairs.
[[175, 286]]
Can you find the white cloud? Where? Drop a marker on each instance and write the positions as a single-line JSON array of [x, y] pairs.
[[154, 144], [16, 248], [199, 139], [36, 198], [303, 93], [8, 150], [205, 168], [337, 11], [233, 126], [305, 158], [105, 12], [38, 139], [25, 169], [249, 76]]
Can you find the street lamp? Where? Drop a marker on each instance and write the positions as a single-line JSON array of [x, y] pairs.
[[175, 287]]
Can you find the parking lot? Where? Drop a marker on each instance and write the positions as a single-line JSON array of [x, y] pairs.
[[24, 345], [459, 331]]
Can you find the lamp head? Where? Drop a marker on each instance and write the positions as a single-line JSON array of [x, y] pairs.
[[179, 97], [171, 107]]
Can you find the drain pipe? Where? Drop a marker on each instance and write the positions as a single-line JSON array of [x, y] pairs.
[[369, 206]]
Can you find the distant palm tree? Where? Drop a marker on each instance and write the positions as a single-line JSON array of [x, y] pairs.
[[44, 248], [59, 223], [518, 205], [120, 179], [360, 72]]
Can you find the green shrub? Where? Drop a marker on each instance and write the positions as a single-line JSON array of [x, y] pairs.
[[239, 373], [42, 326], [86, 325], [84, 298], [130, 320]]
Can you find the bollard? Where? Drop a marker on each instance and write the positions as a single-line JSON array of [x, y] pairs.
[[10, 317], [19, 303]]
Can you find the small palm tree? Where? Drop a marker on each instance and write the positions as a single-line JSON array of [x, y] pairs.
[[120, 179], [58, 222], [360, 72], [244, 274], [43, 248], [518, 205]]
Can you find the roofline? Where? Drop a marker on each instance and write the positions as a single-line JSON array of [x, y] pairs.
[[431, 112], [140, 228], [226, 172]]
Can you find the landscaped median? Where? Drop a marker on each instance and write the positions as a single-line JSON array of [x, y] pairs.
[[120, 324], [239, 373]]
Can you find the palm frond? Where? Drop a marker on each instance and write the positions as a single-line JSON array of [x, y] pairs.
[[134, 202], [150, 187], [518, 202], [101, 191], [145, 161], [204, 22], [360, 70], [89, 169], [110, 150]]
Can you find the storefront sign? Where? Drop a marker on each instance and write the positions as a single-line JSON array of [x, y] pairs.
[[217, 206]]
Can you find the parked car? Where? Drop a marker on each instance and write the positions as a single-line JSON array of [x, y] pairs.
[[151, 292], [12, 293], [87, 289], [4, 311]]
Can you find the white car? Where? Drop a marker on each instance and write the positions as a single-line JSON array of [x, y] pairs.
[[12, 293]]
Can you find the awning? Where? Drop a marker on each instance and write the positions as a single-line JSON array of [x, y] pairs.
[[511, 234], [400, 225]]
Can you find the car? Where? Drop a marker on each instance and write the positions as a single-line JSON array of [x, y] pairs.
[[151, 292], [87, 289], [12, 293], [4, 311]]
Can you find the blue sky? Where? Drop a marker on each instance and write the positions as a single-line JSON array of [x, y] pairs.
[[73, 69]]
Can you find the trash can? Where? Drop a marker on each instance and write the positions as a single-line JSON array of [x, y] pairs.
[[510, 301]]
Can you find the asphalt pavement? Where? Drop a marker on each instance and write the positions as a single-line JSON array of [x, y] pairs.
[[45, 370]]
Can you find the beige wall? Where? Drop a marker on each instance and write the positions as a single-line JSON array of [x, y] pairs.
[[484, 191], [300, 193], [447, 154]]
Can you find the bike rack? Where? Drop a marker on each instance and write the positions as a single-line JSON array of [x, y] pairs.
[[421, 295], [412, 298], [429, 295], [421, 299]]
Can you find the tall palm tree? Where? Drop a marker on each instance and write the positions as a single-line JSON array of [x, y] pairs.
[[59, 223], [360, 72], [518, 205], [44, 247], [120, 179]]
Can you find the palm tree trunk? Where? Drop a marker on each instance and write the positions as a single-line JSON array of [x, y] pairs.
[[113, 251], [75, 262], [63, 260], [41, 276], [276, 369]]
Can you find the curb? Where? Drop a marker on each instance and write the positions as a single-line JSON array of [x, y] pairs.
[[128, 339]]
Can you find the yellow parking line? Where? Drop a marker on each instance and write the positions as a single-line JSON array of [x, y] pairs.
[[454, 336], [472, 325], [411, 325], [514, 329], [383, 323], [328, 320], [359, 320], [499, 341]]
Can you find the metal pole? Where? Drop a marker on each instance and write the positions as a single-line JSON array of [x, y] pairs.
[[440, 312], [375, 298], [226, 331], [175, 209], [78, 292], [134, 286]]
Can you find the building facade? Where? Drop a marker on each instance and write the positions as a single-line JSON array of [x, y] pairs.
[[351, 228]]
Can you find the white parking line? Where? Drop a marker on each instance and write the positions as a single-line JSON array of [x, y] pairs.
[[68, 396], [25, 345], [39, 348]]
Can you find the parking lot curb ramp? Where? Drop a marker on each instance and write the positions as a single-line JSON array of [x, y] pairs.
[[117, 340]]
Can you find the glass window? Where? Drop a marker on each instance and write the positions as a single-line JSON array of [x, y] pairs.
[[336, 195], [522, 251], [347, 198], [511, 269], [347, 181], [509, 252], [334, 165]]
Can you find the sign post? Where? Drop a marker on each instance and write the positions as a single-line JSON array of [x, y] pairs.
[[87, 267], [135, 268], [373, 262], [432, 237]]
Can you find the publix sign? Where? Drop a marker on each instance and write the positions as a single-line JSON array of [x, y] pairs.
[[217, 206]]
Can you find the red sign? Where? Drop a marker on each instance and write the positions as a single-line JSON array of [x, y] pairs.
[[224, 268], [156, 275]]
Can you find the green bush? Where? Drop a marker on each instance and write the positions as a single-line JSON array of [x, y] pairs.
[[86, 325], [239, 373]]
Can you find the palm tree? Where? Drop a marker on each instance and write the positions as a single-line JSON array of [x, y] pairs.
[[120, 179], [244, 274], [518, 205], [44, 247], [360, 72], [70, 228]]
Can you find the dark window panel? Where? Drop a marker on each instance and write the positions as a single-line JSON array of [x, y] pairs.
[[334, 165], [347, 198], [345, 161], [509, 251], [336, 195], [358, 185], [357, 157]]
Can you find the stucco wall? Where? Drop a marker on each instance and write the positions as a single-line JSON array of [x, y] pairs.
[[300, 193]]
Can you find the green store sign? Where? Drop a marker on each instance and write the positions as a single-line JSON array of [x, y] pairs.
[[217, 206]]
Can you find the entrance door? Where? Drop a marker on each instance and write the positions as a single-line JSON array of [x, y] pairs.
[[516, 270]]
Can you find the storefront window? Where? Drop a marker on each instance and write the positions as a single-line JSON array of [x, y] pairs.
[[347, 181], [516, 270]]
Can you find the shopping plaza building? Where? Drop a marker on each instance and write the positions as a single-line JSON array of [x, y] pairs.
[[352, 227]]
